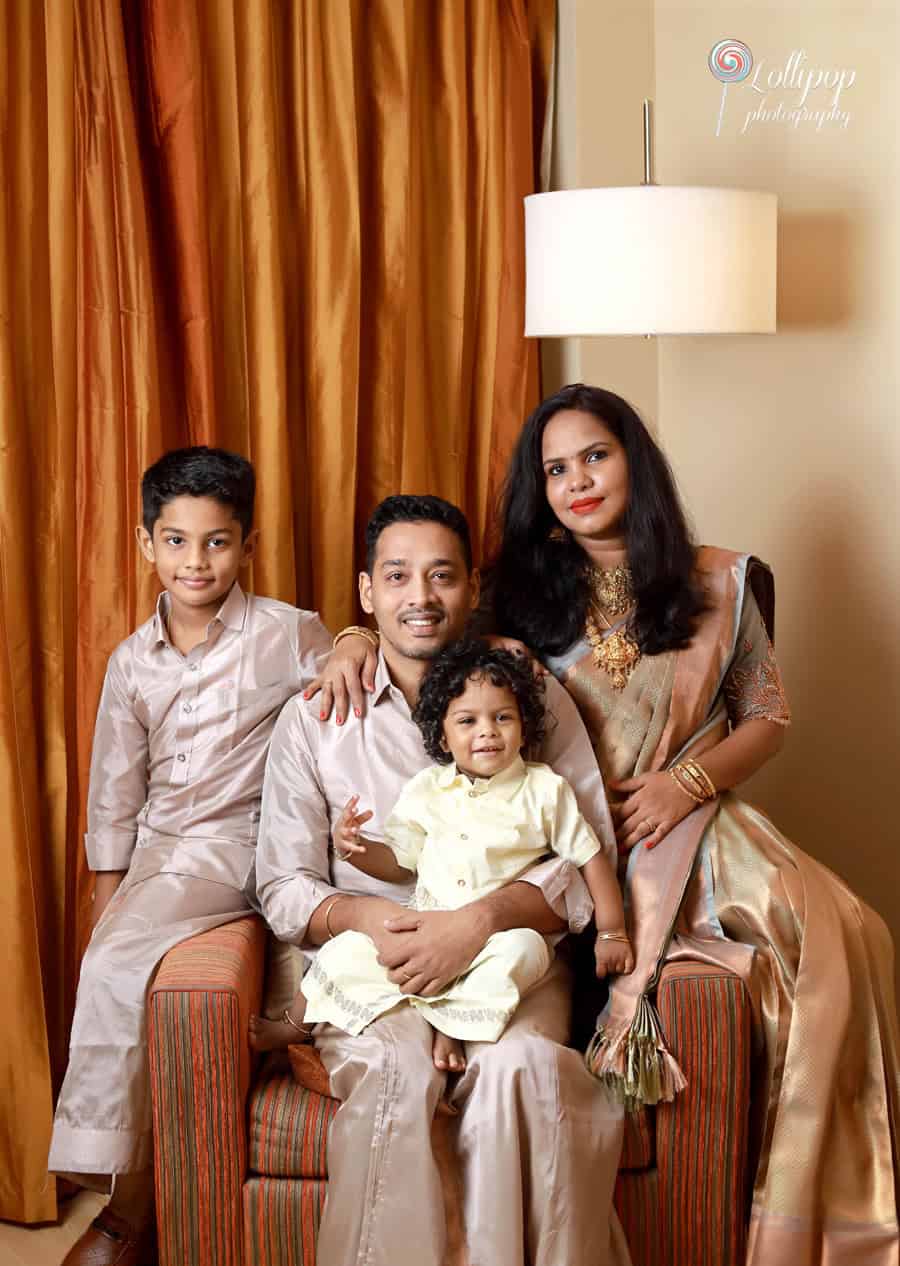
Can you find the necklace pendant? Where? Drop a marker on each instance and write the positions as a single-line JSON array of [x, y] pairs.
[[618, 655]]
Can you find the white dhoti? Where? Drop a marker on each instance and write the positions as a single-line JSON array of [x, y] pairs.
[[103, 1119], [346, 986], [538, 1142]]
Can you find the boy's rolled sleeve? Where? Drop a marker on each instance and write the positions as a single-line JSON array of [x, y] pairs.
[[292, 863], [118, 781]]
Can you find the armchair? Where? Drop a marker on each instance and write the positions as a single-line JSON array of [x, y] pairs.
[[241, 1148]]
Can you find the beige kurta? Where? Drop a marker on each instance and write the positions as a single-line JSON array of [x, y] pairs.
[[538, 1144], [464, 838], [176, 778]]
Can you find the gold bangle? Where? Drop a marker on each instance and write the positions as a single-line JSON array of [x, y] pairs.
[[340, 896], [358, 630], [675, 774], [618, 935], [690, 779], [700, 773]]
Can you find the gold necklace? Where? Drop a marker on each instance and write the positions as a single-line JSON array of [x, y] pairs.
[[613, 588], [616, 652]]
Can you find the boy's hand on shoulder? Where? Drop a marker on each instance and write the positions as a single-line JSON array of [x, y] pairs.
[[613, 957]]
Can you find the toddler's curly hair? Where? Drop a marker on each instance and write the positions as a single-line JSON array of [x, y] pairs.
[[446, 680]]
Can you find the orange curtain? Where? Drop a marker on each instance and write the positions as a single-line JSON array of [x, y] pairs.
[[291, 229]]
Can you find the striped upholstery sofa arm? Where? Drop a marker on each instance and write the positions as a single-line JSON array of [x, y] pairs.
[[702, 1138], [200, 1070]]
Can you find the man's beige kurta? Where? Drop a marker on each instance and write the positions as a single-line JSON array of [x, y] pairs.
[[538, 1141], [176, 777]]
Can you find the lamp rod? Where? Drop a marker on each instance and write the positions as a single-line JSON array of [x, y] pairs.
[[648, 143]]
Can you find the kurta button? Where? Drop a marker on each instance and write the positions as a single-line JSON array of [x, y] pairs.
[[472, 795], [181, 756], [463, 836], [187, 707], [461, 883]]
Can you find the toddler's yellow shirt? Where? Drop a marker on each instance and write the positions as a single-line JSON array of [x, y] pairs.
[[465, 838]]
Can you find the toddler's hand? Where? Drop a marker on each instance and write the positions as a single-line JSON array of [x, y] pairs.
[[613, 957], [346, 831]]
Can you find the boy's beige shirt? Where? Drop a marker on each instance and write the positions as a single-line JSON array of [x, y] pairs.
[[467, 837], [315, 766], [181, 740]]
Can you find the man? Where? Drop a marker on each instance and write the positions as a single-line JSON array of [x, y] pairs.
[[538, 1141]]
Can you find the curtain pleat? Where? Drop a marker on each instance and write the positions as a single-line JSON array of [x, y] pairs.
[[294, 230]]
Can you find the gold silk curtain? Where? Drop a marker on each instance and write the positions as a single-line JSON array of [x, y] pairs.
[[292, 229]]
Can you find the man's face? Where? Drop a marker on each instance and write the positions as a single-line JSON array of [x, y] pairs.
[[420, 590]]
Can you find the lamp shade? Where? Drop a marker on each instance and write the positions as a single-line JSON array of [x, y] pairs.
[[650, 259]]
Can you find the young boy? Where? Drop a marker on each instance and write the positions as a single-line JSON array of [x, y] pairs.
[[471, 823], [188, 706]]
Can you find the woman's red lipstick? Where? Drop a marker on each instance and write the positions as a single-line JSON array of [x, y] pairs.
[[585, 506]]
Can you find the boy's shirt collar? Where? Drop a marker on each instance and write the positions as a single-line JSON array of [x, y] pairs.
[[504, 784], [231, 614]]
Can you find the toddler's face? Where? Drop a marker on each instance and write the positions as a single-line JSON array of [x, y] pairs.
[[483, 728]]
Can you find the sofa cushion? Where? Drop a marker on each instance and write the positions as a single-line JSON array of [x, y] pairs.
[[288, 1125]]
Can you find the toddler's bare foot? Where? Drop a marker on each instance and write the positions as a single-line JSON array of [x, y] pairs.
[[276, 1035], [448, 1053]]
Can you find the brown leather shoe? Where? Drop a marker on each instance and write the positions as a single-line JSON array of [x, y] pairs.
[[111, 1241]]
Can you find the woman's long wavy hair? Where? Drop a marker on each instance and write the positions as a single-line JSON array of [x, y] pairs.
[[540, 578]]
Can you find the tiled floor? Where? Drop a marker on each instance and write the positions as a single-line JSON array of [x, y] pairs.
[[48, 1245]]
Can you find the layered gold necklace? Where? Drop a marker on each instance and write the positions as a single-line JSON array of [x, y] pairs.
[[616, 652]]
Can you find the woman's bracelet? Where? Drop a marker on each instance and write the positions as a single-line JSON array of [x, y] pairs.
[[694, 781], [358, 630], [617, 934], [339, 896], [703, 777]]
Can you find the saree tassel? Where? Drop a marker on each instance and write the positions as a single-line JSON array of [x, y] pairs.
[[634, 1064]]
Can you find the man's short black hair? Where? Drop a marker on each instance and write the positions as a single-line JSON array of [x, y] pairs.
[[446, 680], [200, 472], [408, 509]]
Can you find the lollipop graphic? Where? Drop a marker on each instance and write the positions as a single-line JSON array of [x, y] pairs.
[[730, 61]]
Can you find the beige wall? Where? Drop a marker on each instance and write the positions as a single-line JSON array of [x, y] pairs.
[[786, 445]]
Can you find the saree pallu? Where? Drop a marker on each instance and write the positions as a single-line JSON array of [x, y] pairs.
[[726, 887]]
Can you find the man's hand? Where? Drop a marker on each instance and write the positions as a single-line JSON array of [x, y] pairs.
[[425, 950]]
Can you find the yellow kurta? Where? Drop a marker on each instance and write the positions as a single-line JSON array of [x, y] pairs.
[[463, 838]]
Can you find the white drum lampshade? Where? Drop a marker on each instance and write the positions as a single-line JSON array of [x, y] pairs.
[[650, 259]]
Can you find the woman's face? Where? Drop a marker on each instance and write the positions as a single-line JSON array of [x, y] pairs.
[[585, 475]]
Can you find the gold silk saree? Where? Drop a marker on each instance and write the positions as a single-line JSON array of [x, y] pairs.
[[727, 887]]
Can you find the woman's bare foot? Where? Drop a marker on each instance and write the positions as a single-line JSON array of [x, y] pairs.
[[448, 1053], [276, 1035]]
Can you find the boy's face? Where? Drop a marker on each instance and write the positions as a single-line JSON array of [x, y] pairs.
[[198, 549], [420, 590], [483, 728]]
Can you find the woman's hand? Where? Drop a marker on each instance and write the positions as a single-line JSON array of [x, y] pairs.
[[654, 805], [346, 830], [350, 670]]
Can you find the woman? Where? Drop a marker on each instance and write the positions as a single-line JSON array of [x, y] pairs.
[[666, 650]]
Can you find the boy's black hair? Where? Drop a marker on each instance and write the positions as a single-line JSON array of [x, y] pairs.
[[408, 509], [446, 680], [200, 472]]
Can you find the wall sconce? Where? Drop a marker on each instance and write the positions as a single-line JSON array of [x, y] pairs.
[[650, 259]]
